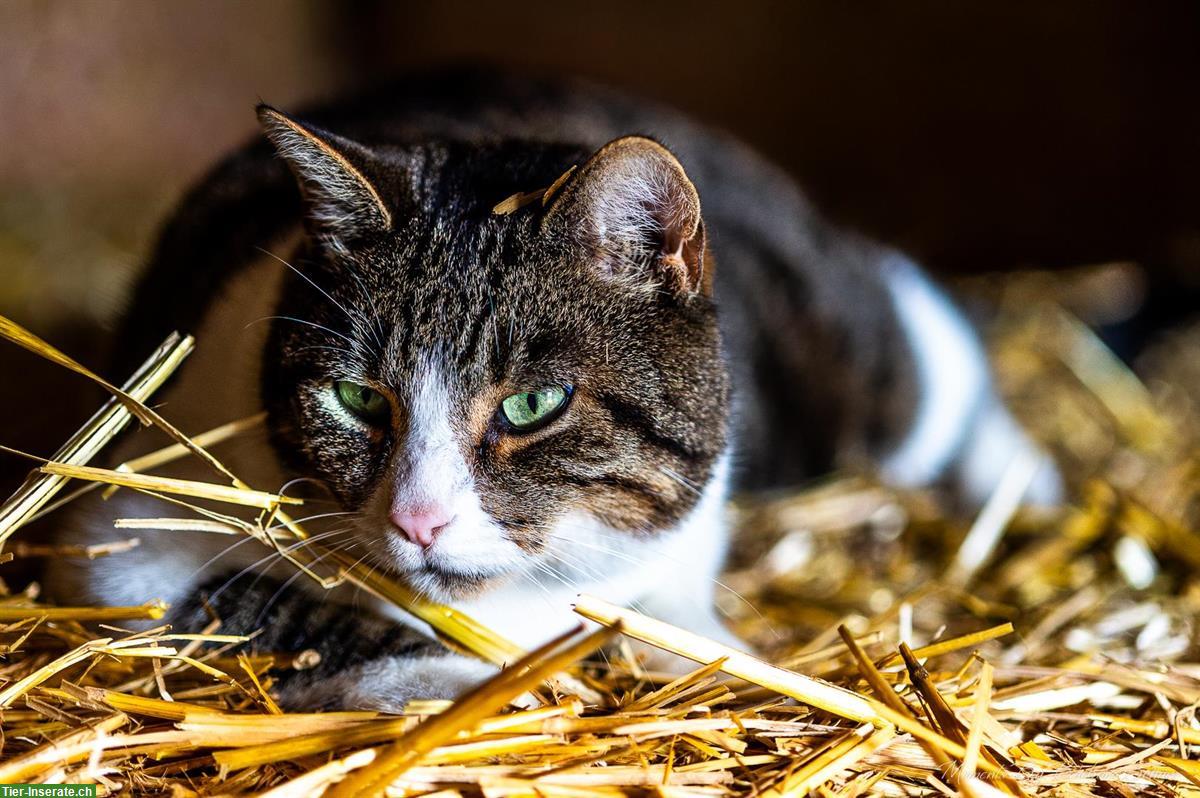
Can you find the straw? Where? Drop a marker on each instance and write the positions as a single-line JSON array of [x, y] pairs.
[[1042, 672], [98, 431], [837, 700]]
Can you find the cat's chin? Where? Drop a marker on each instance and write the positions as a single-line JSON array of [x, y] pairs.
[[442, 585]]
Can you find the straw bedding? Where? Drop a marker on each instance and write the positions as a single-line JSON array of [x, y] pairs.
[[1013, 653]]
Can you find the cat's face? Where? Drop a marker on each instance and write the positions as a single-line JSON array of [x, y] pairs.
[[468, 382]]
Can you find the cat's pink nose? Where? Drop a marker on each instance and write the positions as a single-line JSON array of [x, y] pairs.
[[421, 525]]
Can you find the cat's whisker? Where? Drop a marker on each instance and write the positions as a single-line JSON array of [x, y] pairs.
[[375, 562], [315, 500], [310, 518], [576, 564], [311, 481], [552, 572], [262, 615], [270, 558], [351, 317], [323, 328], [341, 530], [580, 565], [299, 480], [376, 319], [539, 579], [680, 478], [342, 351], [370, 556], [228, 549], [623, 555], [530, 576]]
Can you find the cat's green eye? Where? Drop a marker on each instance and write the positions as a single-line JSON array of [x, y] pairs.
[[531, 410], [366, 403]]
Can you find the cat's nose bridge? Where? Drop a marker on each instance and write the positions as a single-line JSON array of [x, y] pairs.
[[429, 469]]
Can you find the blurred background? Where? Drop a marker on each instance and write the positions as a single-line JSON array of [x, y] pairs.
[[978, 136]]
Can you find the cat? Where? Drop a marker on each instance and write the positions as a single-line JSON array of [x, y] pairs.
[[528, 336]]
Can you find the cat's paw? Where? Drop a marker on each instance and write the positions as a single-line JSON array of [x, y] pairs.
[[388, 684]]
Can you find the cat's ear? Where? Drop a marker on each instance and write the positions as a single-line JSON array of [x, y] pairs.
[[343, 203], [636, 207]]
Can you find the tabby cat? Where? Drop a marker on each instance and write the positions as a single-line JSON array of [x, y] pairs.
[[518, 339]]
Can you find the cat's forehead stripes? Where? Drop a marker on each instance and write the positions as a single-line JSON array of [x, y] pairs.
[[449, 303]]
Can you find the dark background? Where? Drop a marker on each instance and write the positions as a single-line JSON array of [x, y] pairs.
[[978, 136]]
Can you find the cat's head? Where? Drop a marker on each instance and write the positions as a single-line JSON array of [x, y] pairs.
[[476, 384]]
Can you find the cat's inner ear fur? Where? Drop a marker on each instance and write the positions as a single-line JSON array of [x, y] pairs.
[[343, 204], [635, 205]]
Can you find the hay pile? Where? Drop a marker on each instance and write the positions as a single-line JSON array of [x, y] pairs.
[[1021, 654]]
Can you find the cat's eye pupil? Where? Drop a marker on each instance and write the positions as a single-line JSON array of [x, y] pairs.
[[533, 402]]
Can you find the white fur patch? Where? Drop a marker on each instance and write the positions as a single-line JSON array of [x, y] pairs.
[[429, 466], [952, 372], [960, 419], [429, 470]]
